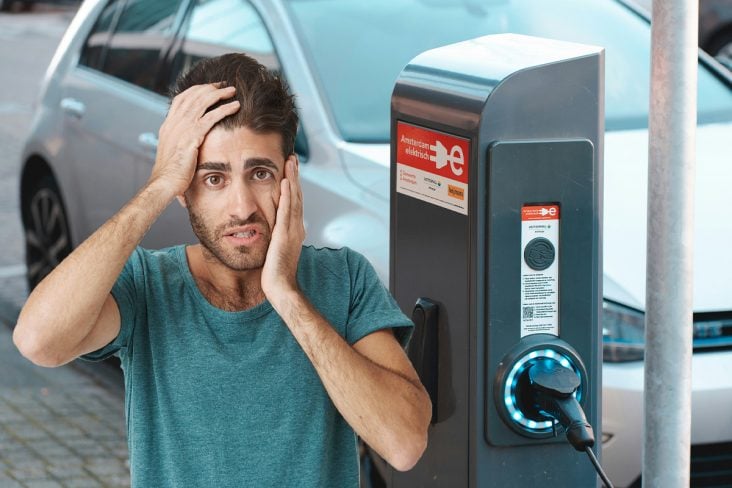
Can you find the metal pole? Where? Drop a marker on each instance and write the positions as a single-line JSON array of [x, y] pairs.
[[672, 146]]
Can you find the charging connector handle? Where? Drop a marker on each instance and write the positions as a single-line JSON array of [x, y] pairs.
[[553, 388]]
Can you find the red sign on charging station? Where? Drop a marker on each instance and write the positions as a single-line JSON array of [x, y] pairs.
[[433, 166]]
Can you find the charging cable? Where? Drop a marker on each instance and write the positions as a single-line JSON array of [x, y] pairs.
[[553, 388]]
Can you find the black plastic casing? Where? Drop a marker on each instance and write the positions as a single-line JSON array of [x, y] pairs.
[[532, 110]]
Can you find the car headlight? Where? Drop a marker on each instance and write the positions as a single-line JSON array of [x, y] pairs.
[[623, 333]]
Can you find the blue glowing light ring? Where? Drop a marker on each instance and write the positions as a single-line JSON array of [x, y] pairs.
[[509, 392]]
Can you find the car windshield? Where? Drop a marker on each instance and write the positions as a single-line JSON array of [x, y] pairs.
[[358, 48]]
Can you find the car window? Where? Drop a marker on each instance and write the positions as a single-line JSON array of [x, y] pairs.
[[216, 27], [92, 53], [358, 48], [143, 30]]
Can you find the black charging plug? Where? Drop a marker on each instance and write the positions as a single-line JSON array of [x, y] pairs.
[[552, 393], [553, 388]]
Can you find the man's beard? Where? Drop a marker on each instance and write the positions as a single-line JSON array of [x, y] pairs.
[[241, 258]]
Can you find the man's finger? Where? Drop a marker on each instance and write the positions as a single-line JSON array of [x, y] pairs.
[[297, 178], [199, 95], [283, 211], [215, 115], [190, 92], [207, 99], [296, 192]]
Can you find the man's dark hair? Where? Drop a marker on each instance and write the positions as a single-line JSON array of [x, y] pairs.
[[266, 103]]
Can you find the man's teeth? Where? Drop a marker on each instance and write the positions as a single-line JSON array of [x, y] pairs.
[[244, 234]]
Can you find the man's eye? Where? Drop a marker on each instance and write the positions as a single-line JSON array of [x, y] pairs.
[[213, 180], [262, 174]]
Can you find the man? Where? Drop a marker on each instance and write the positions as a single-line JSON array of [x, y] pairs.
[[249, 359]]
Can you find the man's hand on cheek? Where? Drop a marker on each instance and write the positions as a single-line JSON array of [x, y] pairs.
[[183, 132], [279, 275]]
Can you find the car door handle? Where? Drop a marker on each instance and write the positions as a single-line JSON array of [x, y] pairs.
[[148, 140], [73, 107]]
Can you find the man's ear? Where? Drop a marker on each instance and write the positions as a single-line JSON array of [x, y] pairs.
[[182, 200]]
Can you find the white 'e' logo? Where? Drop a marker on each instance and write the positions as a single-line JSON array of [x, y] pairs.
[[456, 158]]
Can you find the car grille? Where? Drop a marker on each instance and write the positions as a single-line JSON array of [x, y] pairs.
[[711, 465]]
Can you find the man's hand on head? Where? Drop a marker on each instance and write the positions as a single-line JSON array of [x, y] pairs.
[[279, 274], [184, 130]]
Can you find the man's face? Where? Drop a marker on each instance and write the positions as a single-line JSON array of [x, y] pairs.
[[233, 198]]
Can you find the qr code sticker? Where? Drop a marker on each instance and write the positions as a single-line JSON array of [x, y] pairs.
[[528, 313]]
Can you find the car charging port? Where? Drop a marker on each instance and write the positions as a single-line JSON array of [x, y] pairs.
[[552, 390], [517, 402]]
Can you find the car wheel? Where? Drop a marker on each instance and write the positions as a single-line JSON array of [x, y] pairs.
[[47, 237], [721, 48]]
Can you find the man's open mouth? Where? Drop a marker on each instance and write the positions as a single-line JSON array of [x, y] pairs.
[[244, 235]]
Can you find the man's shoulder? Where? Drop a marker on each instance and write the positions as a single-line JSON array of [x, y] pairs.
[[167, 255], [154, 262], [311, 251], [340, 268], [336, 260]]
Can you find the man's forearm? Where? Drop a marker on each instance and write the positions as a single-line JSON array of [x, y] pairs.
[[64, 307], [385, 409]]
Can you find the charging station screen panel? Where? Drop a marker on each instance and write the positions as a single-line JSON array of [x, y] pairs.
[[539, 269], [432, 166]]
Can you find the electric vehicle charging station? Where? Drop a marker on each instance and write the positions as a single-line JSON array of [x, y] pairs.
[[496, 191]]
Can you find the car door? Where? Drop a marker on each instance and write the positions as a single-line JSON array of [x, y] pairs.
[[112, 111]]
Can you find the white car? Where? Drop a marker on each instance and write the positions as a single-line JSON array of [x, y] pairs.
[[93, 144]]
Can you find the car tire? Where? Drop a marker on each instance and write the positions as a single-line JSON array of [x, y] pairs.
[[721, 48], [47, 236]]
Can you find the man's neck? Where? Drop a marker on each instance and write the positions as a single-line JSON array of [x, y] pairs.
[[224, 288]]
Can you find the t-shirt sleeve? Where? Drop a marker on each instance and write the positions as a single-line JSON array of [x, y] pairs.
[[124, 294], [372, 307]]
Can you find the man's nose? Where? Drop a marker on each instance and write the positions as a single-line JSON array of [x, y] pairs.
[[242, 203]]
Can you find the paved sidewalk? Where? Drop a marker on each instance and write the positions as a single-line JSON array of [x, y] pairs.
[[61, 427]]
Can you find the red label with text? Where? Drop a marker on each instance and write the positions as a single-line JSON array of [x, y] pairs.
[[434, 152], [540, 212]]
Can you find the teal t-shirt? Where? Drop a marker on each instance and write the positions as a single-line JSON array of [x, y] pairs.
[[229, 399]]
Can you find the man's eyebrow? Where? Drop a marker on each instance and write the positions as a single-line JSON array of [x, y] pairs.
[[213, 166], [254, 162]]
